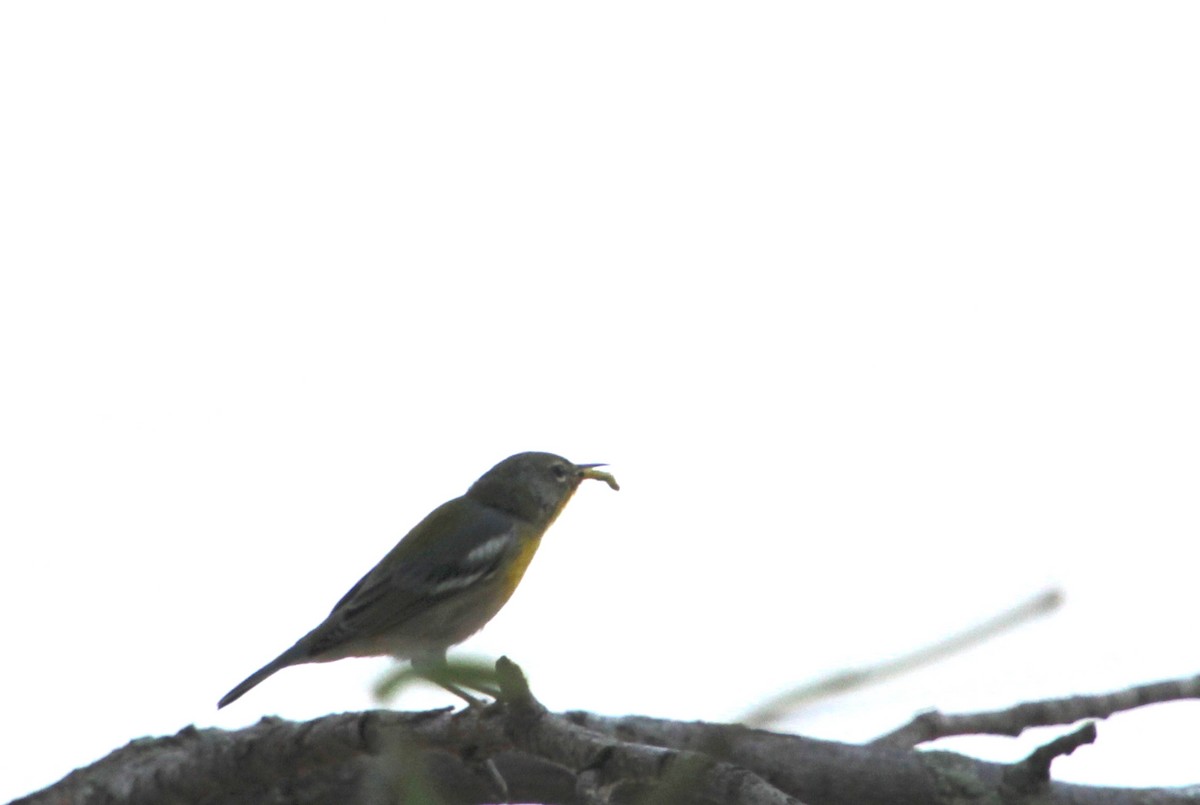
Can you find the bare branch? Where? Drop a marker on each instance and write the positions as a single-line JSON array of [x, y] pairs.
[[470, 756], [611, 761], [349, 757], [831, 773], [931, 725], [1033, 773], [774, 709]]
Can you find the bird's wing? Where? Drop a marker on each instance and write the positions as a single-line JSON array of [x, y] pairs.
[[458, 545]]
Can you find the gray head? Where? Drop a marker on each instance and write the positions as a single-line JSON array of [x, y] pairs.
[[534, 486]]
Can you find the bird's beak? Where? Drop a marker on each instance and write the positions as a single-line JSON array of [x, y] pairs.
[[590, 471]]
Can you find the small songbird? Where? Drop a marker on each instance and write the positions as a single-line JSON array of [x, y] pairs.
[[448, 576]]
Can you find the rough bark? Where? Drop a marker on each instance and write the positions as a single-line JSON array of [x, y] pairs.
[[519, 750]]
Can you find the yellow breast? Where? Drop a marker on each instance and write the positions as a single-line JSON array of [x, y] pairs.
[[516, 570]]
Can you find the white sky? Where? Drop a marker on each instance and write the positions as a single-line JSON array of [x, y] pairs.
[[885, 316]]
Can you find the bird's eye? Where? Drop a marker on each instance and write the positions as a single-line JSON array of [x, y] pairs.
[[560, 472]]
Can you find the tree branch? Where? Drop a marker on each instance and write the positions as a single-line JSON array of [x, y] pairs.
[[831, 773], [774, 709], [931, 725], [614, 762], [1032, 774], [573, 758]]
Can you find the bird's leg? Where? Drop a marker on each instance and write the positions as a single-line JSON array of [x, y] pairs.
[[437, 670], [471, 701], [481, 687]]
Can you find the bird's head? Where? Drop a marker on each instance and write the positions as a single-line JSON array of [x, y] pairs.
[[534, 486]]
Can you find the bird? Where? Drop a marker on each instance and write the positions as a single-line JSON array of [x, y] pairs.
[[448, 576]]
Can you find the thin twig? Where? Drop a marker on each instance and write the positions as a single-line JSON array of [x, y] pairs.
[[931, 725], [788, 702], [1033, 773]]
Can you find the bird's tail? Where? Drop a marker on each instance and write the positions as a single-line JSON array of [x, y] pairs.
[[274, 665]]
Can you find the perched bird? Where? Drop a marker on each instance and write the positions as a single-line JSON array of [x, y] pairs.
[[448, 576]]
